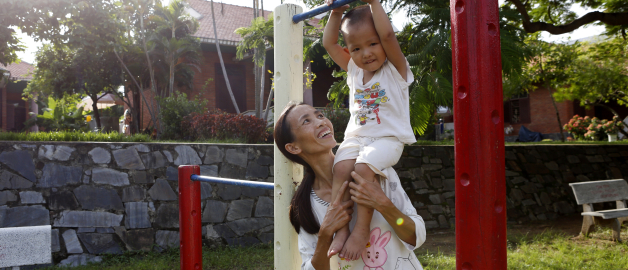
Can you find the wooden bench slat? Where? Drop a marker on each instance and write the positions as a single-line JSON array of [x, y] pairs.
[[600, 191], [608, 214]]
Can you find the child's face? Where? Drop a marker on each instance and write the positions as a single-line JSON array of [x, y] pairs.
[[365, 47]]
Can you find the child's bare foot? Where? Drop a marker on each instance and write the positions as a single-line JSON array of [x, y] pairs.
[[338, 242], [355, 244]]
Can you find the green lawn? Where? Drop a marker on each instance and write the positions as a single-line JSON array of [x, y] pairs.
[[547, 250], [550, 250]]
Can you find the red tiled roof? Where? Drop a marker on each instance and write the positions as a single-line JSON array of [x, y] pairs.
[[20, 71], [228, 19]]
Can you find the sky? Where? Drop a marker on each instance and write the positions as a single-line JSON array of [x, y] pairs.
[[399, 20]]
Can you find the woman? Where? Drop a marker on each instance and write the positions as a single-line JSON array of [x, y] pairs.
[[305, 136]]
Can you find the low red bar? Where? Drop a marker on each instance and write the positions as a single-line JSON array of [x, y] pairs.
[[479, 135], [190, 231]]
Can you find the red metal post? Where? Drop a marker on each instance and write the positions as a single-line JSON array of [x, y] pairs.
[[190, 218], [479, 136]]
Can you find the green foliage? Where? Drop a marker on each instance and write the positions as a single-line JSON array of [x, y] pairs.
[[73, 136], [115, 111], [60, 115], [258, 36], [173, 109], [597, 75], [339, 118]]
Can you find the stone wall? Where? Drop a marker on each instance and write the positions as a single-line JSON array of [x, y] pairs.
[[111, 197]]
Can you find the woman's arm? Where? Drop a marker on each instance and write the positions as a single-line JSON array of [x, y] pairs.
[[371, 195], [337, 216]]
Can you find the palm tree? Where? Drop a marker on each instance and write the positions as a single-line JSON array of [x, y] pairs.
[[175, 27], [222, 62], [257, 37]]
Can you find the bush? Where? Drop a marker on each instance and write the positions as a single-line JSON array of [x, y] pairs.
[[174, 109], [578, 126], [339, 117], [220, 125]]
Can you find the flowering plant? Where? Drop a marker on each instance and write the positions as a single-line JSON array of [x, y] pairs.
[[578, 126], [613, 126]]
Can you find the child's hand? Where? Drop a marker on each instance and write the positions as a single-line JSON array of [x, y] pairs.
[[338, 9]]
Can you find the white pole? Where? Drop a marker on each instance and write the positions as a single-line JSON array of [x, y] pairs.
[[289, 86]]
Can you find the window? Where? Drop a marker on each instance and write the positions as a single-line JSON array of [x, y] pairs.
[[517, 109]]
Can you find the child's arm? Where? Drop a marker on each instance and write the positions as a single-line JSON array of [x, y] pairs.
[[388, 38], [330, 38]]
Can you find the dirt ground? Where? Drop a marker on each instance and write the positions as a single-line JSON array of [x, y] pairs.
[[445, 240]]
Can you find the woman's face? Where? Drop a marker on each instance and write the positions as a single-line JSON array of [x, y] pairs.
[[312, 131]]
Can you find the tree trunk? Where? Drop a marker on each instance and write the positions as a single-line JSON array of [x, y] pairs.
[[95, 109], [257, 72], [171, 82], [560, 124], [153, 85], [270, 97], [262, 79], [222, 63], [153, 117]]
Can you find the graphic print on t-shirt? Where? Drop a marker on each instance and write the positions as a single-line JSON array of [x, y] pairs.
[[375, 255], [368, 101]]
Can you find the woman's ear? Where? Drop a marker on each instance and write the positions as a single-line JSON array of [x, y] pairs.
[[293, 149]]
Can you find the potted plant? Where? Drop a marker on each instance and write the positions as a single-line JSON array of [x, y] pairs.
[[611, 128]]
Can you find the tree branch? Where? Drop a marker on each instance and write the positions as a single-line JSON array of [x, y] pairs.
[[532, 27]]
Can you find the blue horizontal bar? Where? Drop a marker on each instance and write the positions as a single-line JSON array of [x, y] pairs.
[[235, 182], [321, 9]]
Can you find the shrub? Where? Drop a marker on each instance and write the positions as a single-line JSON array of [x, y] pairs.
[[578, 126], [220, 125], [173, 109], [613, 126], [339, 117], [59, 115]]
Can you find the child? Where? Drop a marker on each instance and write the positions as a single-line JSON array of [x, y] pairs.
[[378, 76]]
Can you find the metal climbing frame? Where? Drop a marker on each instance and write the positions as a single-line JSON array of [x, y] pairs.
[[479, 141]]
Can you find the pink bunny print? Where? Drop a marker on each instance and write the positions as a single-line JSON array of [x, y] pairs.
[[374, 256]]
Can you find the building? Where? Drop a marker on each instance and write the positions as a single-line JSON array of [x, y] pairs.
[[210, 82], [13, 108]]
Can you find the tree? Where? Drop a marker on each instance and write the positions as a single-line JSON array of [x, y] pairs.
[[257, 37], [597, 76], [547, 69], [427, 46], [81, 53], [176, 42], [556, 17], [222, 63], [62, 71]]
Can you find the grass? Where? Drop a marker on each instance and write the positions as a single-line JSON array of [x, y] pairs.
[[547, 250], [223, 258], [72, 136], [79, 136]]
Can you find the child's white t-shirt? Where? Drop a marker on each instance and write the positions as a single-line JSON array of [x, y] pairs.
[[388, 250], [379, 108]]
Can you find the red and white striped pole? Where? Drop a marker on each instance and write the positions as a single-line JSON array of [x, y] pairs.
[[190, 230], [479, 135]]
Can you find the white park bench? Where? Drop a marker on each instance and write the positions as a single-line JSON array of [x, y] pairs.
[[21, 246], [588, 193]]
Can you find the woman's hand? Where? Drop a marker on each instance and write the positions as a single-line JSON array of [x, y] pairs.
[[338, 213], [367, 193]]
